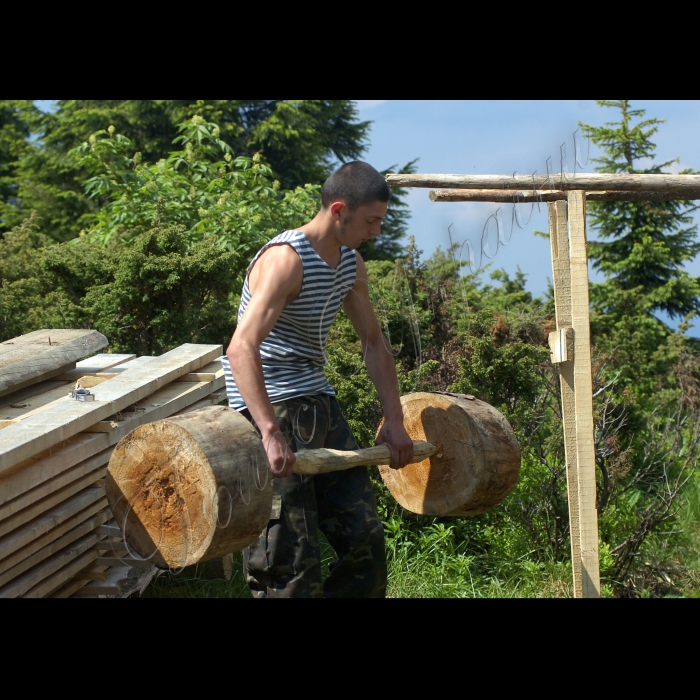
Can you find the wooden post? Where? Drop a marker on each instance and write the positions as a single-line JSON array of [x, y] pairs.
[[561, 279], [583, 396]]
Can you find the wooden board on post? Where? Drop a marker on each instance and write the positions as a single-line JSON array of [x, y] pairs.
[[583, 396], [561, 279]]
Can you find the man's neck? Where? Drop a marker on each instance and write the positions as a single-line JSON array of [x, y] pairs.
[[321, 234]]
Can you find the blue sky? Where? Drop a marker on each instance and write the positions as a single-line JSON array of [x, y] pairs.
[[500, 137]]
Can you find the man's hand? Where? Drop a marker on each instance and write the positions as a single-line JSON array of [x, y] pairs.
[[395, 437], [279, 455]]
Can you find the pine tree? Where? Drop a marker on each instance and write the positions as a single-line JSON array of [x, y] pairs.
[[16, 117], [644, 244]]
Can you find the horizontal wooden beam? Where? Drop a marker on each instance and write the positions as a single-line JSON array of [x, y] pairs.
[[580, 181], [557, 195]]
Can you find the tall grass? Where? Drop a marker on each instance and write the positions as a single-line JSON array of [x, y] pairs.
[[437, 560]]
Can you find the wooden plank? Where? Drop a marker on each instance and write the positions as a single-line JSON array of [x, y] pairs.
[[95, 364], [40, 542], [104, 426], [136, 362], [25, 537], [56, 580], [530, 195], [561, 278], [212, 371], [120, 561], [52, 499], [583, 396], [22, 584], [58, 422], [91, 467], [111, 531], [23, 395], [580, 181], [59, 458], [122, 581], [91, 574], [67, 590], [92, 524], [20, 410], [115, 548], [43, 354]]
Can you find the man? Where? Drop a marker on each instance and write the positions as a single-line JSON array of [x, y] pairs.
[[274, 372]]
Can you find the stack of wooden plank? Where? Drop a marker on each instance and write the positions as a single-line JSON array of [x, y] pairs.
[[57, 534]]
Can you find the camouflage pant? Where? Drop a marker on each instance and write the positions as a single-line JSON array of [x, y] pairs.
[[284, 562]]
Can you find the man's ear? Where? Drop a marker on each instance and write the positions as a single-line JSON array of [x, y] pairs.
[[336, 210]]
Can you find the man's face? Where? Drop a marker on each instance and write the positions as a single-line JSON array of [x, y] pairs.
[[356, 227]]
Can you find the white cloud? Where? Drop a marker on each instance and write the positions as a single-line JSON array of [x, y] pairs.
[[368, 104]]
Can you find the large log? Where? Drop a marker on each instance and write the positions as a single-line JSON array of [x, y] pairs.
[[476, 464], [580, 181], [196, 487], [526, 196], [190, 488]]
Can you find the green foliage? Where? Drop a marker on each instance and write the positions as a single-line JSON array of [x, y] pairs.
[[202, 188], [16, 118], [159, 292], [164, 290], [299, 142], [645, 244], [170, 233], [299, 139]]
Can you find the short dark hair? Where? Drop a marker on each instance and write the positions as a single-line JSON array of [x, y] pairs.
[[357, 184]]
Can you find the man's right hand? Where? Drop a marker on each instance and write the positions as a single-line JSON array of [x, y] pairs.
[[279, 455]]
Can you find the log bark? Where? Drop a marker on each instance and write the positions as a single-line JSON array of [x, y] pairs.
[[476, 464], [325, 460], [580, 181], [526, 196], [190, 488]]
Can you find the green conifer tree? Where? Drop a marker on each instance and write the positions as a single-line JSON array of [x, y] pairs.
[[641, 249], [644, 245]]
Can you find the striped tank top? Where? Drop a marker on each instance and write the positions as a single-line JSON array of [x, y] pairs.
[[293, 354]]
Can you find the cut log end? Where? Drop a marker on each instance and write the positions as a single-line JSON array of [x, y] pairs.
[[475, 467], [190, 488], [164, 493]]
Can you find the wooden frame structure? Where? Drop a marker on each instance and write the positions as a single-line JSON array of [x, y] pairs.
[[570, 343]]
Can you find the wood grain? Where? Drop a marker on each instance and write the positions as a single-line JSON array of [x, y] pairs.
[[476, 463], [583, 396], [324, 460], [561, 278], [59, 422], [190, 488], [43, 354], [59, 458], [83, 528], [526, 196], [580, 181]]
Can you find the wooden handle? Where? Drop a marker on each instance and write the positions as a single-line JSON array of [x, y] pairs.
[[324, 460]]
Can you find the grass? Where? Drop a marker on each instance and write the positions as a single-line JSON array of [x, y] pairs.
[[435, 562]]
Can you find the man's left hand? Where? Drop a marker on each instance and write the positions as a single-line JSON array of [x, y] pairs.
[[395, 437]]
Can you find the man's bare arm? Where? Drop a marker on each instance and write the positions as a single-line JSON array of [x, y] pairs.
[[275, 281], [381, 368]]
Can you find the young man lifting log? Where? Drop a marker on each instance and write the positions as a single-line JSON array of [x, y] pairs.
[[274, 374]]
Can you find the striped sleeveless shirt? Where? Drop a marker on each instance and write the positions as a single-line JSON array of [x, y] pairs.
[[293, 354]]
